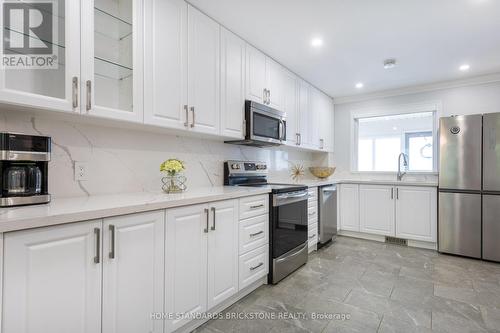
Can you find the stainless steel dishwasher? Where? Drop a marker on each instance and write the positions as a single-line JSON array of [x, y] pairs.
[[327, 223]]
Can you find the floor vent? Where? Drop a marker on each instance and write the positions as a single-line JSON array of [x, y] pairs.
[[396, 241]]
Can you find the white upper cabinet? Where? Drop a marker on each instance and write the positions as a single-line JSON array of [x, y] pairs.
[[203, 72], [304, 116], [222, 252], [376, 204], [133, 272], [290, 90], [112, 59], [416, 213], [256, 76], [54, 88], [315, 112], [186, 263], [52, 279], [326, 125], [275, 84], [232, 84], [165, 84]]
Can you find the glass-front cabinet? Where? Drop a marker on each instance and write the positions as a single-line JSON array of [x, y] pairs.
[[76, 56], [40, 54], [112, 62]]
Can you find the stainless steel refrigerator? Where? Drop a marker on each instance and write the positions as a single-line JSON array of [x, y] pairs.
[[469, 186]]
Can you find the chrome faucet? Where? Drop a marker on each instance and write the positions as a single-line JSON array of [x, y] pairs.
[[405, 164]]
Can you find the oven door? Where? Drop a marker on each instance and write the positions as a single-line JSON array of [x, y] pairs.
[[289, 222], [267, 126]]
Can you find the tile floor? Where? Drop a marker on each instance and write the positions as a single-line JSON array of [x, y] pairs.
[[381, 288]]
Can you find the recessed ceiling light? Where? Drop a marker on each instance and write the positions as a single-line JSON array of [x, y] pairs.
[[464, 67], [359, 85], [389, 63], [316, 42]]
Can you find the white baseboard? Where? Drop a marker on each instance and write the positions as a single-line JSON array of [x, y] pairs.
[[380, 238]]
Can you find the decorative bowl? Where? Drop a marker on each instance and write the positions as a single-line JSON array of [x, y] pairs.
[[322, 172]]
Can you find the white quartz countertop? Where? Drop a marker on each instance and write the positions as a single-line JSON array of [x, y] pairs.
[[65, 210], [312, 183]]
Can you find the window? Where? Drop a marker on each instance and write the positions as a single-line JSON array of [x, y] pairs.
[[380, 139]]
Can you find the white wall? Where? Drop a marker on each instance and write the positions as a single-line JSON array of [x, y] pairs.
[[126, 160], [483, 98]]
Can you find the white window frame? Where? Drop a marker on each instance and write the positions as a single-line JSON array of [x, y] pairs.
[[393, 110]]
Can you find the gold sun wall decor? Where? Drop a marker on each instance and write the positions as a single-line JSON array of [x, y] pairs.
[[297, 172]]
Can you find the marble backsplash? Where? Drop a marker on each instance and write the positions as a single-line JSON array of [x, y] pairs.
[[123, 160]]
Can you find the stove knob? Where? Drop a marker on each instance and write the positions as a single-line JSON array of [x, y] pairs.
[[235, 166]]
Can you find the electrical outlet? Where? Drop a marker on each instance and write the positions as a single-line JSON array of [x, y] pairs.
[[80, 171]]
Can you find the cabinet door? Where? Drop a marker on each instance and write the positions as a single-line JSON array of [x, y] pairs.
[[203, 72], [133, 272], [303, 115], [165, 76], [376, 203], [232, 84], [315, 112], [416, 213], [290, 91], [53, 87], [326, 126], [349, 207], [222, 252], [52, 279], [186, 263], [112, 59], [256, 74], [274, 73]]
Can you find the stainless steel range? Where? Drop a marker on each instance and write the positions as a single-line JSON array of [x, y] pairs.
[[287, 216]]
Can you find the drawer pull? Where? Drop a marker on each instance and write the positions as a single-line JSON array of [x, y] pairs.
[[255, 267], [257, 233], [311, 214], [257, 206], [311, 237]]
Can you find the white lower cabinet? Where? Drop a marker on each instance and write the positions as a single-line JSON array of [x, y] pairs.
[[376, 204], [222, 252], [186, 263], [408, 212], [52, 279], [349, 207], [133, 273], [201, 260], [254, 265], [312, 219], [416, 216]]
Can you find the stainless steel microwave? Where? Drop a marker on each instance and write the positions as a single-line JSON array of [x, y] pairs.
[[264, 126]]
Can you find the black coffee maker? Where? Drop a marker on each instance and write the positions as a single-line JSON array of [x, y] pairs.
[[24, 163]]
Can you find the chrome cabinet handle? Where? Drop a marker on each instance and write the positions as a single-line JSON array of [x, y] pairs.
[[208, 218], [257, 233], [321, 144], [186, 123], [300, 139], [97, 233], [192, 110], [264, 96], [297, 138], [89, 95], [397, 193], [268, 96], [255, 267], [311, 214], [112, 236], [75, 92], [257, 206], [392, 193], [311, 237], [213, 212]]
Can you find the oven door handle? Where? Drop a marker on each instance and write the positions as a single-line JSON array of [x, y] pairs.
[[283, 199]]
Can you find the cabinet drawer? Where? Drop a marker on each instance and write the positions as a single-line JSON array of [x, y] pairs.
[[312, 213], [253, 266], [312, 235], [313, 192], [254, 232], [254, 206], [312, 225]]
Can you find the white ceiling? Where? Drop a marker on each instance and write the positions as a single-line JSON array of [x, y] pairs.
[[429, 38]]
